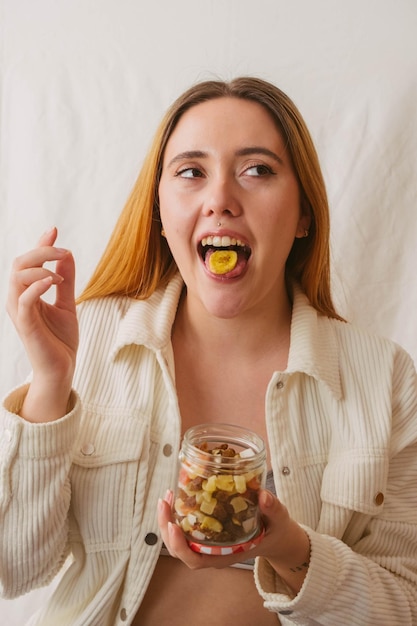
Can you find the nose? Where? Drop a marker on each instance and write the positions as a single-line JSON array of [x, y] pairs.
[[222, 199]]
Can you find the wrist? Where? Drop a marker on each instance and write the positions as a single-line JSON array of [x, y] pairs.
[[293, 564], [46, 402]]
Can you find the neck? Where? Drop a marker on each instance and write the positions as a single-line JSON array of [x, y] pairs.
[[255, 331]]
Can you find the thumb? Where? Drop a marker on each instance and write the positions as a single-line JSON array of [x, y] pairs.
[[270, 507], [266, 501]]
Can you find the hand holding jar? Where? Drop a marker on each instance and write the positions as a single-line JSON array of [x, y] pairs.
[[221, 510]]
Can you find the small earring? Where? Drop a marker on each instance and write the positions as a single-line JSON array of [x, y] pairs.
[[163, 233], [305, 232]]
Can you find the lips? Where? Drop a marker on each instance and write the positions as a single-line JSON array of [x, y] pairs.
[[216, 243]]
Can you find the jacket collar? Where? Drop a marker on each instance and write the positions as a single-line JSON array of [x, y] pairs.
[[149, 322], [313, 347]]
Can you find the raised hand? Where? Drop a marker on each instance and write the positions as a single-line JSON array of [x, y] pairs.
[[49, 332]]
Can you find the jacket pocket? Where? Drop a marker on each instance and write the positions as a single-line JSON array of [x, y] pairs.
[[356, 480], [108, 457]]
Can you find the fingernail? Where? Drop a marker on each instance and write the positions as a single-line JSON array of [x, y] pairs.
[[168, 497]]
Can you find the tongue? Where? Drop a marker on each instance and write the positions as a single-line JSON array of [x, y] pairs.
[[224, 261]]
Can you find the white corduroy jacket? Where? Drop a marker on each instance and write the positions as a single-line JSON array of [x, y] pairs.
[[342, 428]]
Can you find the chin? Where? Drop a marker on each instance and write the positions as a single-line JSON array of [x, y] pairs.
[[223, 308]]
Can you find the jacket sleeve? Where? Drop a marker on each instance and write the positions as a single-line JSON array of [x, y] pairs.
[[35, 493], [373, 580]]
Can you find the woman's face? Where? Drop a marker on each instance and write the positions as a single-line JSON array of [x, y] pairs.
[[230, 206]]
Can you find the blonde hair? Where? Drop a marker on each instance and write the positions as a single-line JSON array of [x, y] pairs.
[[137, 259]]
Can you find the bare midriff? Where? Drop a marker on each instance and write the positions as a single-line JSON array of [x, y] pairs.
[[178, 596]]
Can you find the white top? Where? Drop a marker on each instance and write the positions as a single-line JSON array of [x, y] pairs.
[[342, 432]]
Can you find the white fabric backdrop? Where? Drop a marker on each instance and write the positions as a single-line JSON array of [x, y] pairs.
[[84, 83]]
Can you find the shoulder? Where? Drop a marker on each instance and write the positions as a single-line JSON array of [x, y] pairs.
[[379, 381], [341, 353], [105, 308], [353, 338], [369, 354]]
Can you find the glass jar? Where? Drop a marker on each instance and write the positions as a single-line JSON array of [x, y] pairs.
[[222, 469]]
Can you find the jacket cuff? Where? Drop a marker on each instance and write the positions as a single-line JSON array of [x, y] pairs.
[[319, 584], [37, 440]]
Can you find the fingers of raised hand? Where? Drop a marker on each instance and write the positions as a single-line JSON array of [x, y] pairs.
[[29, 279], [48, 238], [23, 278], [37, 257], [34, 288]]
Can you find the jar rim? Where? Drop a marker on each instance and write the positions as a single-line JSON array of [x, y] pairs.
[[231, 434]]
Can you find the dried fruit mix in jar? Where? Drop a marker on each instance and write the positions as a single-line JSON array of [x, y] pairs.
[[219, 506]]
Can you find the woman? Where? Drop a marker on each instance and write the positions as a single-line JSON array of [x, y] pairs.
[[170, 339]]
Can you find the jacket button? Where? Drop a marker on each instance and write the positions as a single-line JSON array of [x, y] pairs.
[[88, 449], [280, 384], [286, 471], [167, 449], [379, 498], [151, 539], [123, 615]]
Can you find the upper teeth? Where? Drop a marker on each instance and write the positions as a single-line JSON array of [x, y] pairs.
[[221, 242]]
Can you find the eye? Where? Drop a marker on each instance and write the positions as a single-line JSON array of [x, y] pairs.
[[260, 169], [189, 172]]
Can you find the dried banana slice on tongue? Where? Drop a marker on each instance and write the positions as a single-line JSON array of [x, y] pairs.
[[222, 261]]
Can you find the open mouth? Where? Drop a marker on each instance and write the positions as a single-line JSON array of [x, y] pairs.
[[224, 255]]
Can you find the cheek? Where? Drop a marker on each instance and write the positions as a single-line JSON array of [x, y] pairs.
[[163, 204], [177, 216], [282, 219], [178, 230], [172, 210], [279, 229]]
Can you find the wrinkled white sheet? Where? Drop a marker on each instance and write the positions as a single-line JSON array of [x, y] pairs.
[[84, 83]]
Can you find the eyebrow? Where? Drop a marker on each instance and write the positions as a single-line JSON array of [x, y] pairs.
[[188, 154], [259, 150], [250, 150]]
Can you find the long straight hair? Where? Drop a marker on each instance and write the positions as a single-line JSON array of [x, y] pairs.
[[137, 259]]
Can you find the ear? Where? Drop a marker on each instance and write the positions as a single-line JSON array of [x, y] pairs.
[[303, 226]]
